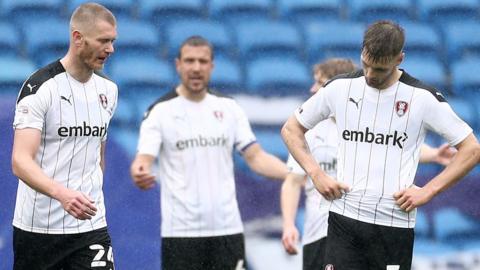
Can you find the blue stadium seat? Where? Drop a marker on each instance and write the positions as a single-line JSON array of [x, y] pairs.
[[227, 76], [304, 11], [216, 33], [267, 38], [429, 71], [125, 113], [162, 12], [464, 110], [372, 10], [462, 39], [120, 8], [137, 75], [422, 40], [272, 142], [240, 10], [10, 41], [13, 72], [422, 225], [46, 40], [453, 226], [277, 76], [465, 79], [330, 39], [22, 11], [136, 38], [442, 11]]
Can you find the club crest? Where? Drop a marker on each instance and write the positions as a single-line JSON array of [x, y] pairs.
[[401, 108], [103, 100], [218, 115]]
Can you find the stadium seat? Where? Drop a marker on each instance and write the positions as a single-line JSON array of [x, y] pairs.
[[334, 39], [137, 74], [372, 10], [464, 110], [422, 225], [422, 40], [443, 11], [430, 71], [124, 114], [216, 33], [465, 79], [304, 11], [120, 8], [267, 38], [13, 72], [10, 41], [227, 76], [277, 77], [235, 11], [136, 38], [272, 142], [462, 39], [162, 12], [46, 40], [21, 11], [451, 225]]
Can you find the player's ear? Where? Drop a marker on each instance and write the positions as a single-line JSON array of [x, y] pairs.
[[77, 38], [400, 58]]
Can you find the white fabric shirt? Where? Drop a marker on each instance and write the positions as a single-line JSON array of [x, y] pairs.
[[194, 142], [322, 141], [380, 134], [73, 118]]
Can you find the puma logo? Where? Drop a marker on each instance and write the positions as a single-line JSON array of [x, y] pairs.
[[66, 99], [31, 87], [355, 102]]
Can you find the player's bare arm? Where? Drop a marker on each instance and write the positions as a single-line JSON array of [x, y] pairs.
[[442, 155], [264, 163], [289, 199], [466, 158], [293, 134], [102, 156], [25, 146], [141, 171]]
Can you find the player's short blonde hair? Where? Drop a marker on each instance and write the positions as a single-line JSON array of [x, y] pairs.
[[86, 15], [334, 67]]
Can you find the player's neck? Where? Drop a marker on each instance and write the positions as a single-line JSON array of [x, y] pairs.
[[394, 79], [191, 95], [76, 68]]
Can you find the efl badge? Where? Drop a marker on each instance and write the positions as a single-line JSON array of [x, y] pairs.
[[329, 267], [401, 108], [103, 100], [218, 115]]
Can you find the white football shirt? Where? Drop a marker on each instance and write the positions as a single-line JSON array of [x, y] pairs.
[[322, 141], [73, 118], [194, 143], [380, 133]]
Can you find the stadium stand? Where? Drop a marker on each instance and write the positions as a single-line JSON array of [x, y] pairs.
[[465, 79], [430, 71], [21, 11], [234, 11], [13, 72], [162, 12], [444, 11], [121, 8], [227, 76], [306, 11], [372, 10], [422, 40], [138, 38], [462, 40], [10, 42]]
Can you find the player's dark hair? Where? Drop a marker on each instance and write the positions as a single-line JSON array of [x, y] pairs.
[[383, 40], [195, 41]]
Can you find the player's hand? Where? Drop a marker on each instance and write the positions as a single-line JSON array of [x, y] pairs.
[[412, 197], [445, 154], [141, 175], [290, 239], [329, 187], [76, 203]]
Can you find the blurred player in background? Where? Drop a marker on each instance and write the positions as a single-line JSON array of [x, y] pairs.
[[193, 132], [61, 120], [374, 168]]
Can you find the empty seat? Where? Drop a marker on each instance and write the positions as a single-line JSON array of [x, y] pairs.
[[216, 33], [227, 76], [464, 109], [429, 71], [422, 40], [372, 10], [462, 39], [22, 11], [142, 74], [46, 40], [10, 41], [267, 38], [277, 76], [304, 11], [120, 8], [13, 72], [334, 39], [240, 10], [272, 142], [162, 12], [442, 11], [125, 113], [451, 225], [136, 38], [465, 79]]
